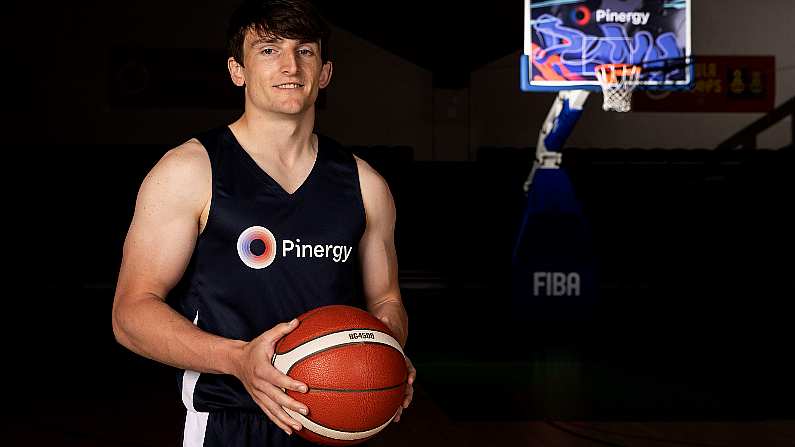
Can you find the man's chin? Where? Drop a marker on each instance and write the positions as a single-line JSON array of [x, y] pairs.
[[286, 107], [295, 110], [291, 111]]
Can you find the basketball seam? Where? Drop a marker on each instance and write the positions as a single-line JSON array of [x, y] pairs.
[[335, 332], [343, 342], [312, 313], [309, 314], [332, 427], [343, 390], [335, 439], [329, 349]]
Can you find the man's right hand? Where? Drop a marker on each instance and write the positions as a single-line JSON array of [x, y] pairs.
[[265, 383]]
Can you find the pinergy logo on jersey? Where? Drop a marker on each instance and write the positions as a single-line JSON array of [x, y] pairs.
[[336, 253]]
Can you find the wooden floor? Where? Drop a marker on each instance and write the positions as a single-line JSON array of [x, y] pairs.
[[151, 419], [75, 386], [427, 425]]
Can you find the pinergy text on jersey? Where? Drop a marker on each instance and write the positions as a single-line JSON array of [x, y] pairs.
[[338, 253]]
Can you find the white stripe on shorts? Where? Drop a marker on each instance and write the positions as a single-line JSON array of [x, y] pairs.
[[195, 422], [195, 428], [189, 379]]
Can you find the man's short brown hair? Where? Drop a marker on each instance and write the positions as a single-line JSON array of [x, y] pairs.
[[286, 19]]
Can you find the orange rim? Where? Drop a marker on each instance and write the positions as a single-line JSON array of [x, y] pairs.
[[613, 71]]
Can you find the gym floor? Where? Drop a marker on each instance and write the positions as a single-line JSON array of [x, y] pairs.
[[82, 389]]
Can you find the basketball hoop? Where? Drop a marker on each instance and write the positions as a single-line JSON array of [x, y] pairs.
[[618, 82]]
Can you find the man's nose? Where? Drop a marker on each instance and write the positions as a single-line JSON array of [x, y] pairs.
[[288, 62]]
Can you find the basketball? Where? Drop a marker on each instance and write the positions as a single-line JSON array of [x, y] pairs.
[[355, 370]]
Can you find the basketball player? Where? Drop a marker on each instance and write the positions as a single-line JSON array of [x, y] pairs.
[[260, 221]]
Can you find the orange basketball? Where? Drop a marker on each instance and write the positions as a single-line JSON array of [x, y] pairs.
[[355, 371]]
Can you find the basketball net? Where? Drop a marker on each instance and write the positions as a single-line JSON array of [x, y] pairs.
[[618, 81]]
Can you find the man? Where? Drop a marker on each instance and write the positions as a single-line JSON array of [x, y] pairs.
[[223, 213]]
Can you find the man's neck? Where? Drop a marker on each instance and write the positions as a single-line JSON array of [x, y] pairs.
[[287, 138]]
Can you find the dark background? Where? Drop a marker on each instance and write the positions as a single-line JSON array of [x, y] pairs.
[[693, 255]]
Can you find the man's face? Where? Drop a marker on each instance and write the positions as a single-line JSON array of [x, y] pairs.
[[280, 75]]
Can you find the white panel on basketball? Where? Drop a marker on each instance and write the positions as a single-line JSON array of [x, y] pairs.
[[335, 434], [283, 362]]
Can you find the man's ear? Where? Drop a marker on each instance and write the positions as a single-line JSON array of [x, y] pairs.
[[236, 72], [325, 74]]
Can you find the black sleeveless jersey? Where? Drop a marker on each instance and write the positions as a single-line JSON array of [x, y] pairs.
[[266, 256]]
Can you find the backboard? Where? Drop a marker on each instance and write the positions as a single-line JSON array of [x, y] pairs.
[[564, 40]]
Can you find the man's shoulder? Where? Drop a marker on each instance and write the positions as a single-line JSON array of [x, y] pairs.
[[183, 172], [376, 196], [189, 159], [189, 153], [368, 176]]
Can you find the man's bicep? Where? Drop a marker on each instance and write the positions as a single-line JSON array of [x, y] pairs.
[[377, 247], [164, 228], [379, 267]]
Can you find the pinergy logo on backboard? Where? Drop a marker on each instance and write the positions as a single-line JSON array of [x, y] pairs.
[[289, 247], [635, 18]]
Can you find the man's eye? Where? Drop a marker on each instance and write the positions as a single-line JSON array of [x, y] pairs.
[[268, 51], [305, 52]]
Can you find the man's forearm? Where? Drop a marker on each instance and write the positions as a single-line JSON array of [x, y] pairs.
[[151, 328], [393, 314]]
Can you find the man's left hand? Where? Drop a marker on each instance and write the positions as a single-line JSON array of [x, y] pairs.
[[409, 390], [409, 395]]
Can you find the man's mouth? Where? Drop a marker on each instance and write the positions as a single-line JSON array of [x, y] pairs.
[[289, 85]]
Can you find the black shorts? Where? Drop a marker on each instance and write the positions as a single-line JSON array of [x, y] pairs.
[[236, 428], [233, 428]]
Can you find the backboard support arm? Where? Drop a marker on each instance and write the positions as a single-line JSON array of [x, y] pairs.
[[558, 125]]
